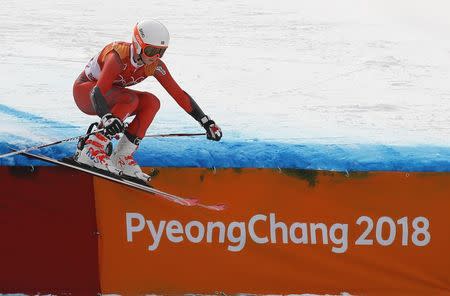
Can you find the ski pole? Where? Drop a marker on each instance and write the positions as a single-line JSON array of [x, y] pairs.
[[49, 144], [175, 135]]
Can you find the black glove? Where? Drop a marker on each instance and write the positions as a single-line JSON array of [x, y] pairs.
[[213, 131], [111, 124]]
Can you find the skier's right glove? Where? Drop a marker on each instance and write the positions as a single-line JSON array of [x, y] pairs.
[[111, 124], [213, 131]]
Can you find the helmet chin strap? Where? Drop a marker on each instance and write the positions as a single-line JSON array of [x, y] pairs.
[[139, 60], [136, 56]]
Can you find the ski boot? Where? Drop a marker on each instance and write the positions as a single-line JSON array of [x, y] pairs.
[[94, 151], [122, 158], [81, 141]]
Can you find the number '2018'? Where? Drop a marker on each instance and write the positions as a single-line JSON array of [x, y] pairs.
[[420, 236]]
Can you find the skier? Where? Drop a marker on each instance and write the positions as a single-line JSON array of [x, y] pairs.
[[101, 89]]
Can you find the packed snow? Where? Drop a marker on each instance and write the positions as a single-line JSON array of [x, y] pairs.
[[340, 85]]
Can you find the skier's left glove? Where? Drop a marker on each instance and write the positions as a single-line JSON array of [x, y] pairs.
[[111, 124], [213, 131]]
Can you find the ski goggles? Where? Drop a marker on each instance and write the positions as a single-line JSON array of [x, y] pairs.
[[151, 51]]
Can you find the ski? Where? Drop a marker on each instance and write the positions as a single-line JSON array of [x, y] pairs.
[[117, 179], [15, 151]]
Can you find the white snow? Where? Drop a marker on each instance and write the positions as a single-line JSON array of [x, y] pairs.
[[349, 71]]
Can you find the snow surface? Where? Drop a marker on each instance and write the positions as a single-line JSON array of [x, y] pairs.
[[340, 85]]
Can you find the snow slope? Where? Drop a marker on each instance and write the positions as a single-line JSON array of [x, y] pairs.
[[198, 152], [343, 85]]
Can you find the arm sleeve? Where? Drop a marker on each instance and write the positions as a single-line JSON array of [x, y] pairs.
[[112, 66], [111, 69], [183, 99]]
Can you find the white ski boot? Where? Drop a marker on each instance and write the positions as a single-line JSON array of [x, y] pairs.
[[94, 154], [122, 158]]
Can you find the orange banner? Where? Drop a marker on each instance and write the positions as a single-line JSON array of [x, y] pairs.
[[285, 231]]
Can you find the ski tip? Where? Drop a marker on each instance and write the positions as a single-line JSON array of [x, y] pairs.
[[191, 201], [219, 207]]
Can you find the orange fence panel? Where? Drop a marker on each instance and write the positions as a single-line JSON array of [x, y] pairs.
[[285, 231]]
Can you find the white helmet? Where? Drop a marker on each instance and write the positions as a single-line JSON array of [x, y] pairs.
[[150, 38]]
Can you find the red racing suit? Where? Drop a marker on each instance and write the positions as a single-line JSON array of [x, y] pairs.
[[112, 70]]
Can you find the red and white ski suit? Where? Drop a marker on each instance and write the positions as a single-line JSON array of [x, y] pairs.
[[112, 70]]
